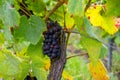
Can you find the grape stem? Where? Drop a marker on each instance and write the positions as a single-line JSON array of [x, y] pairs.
[[60, 2], [68, 35]]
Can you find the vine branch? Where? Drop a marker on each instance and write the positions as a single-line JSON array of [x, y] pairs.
[[88, 5], [75, 32], [54, 9], [82, 54]]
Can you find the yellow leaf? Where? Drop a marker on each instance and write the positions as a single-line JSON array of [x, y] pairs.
[[94, 16], [106, 23], [109, 25], [69, 21], [67, 76], [98, 71], [47, 64]]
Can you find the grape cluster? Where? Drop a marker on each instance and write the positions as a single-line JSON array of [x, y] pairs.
[[51, 43]]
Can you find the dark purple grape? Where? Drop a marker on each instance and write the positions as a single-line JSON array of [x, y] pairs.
[[46, 47], [50, 36], [46, 52], [51, 31], [49, 40], [54, 43], [53, 55], [51, 44], [56, 47], [55, 50], [46, 36], [46, 41]]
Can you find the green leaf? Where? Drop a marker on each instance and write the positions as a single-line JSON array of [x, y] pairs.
[[76, 67], [103, 52], [30, 29], [117, 40], [113, 8], [24, 70], [35, 49], [8, 14], [9, 64], [92, 46], [8, 78], [38, 67], [36, 6], [1, 39], [76, 7], [9, 17], [88, 28], [39, 73], [58, 15]]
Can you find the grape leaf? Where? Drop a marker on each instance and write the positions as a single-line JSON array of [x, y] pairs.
[[117, 40], [79, 21], [89, 27], [113, 8], [30, 29], [1, 39], [8, 14], [66, 75], [35, 49], [39, 73], [97, 20], [58, 15], [103, 52], [36, 6], [98, 71], [37, 67], [24, 70], [9, 64], [92, 46], [69, 21], [9, 17], [75, 67], [76, 7]]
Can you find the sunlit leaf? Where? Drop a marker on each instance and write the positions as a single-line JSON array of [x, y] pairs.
[[24, 70], [106, 23], [9, 64], [47, 64], [37, 66], [92, 46], [98, 71], [76, 67], [66, 75]]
